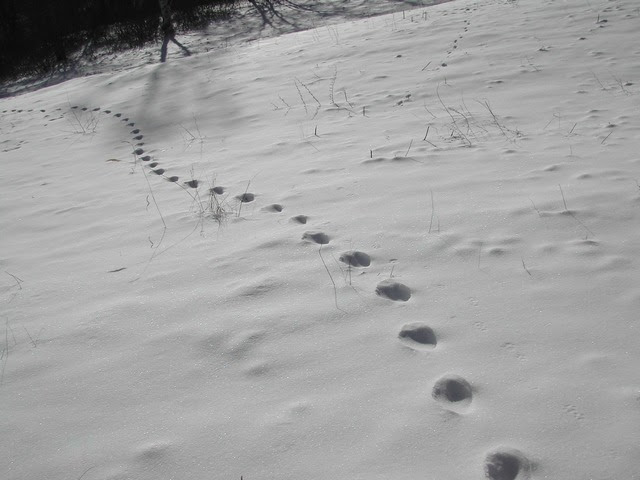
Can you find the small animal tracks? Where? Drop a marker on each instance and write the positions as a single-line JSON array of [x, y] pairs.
[[513, 350], [10, 145], [573, 411]]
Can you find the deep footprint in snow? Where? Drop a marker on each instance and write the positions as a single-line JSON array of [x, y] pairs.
[[246, 197], [217, 190], [158, 171], [301, 219], [192, 183], [452, 389], [354, 258], [316, 237], [418, 336], [393, 290], [275, 207], [138, 151], [506, 464]]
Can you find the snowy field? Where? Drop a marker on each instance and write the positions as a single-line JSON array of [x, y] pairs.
[[399, 247]]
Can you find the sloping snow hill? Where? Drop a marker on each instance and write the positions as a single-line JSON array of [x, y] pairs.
[[404, 247]]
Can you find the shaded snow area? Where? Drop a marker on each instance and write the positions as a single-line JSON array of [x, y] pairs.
[[402, 247]]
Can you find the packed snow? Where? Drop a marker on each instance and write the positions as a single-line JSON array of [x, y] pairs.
[[399, 247]]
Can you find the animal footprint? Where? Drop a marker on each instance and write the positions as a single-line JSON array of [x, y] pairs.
[[452, 389], [316, 237], [302, 219], [506, 464], [246, 197], [393, 290], [355, 259], [418, 336], [574, 412], [275, 207]]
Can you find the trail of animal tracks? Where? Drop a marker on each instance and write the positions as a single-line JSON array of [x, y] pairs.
[[399, 247]]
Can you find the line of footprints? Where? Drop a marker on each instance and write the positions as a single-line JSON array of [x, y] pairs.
[[453, 391]]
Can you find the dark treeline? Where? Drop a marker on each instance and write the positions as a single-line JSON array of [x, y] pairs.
[[36, 36]]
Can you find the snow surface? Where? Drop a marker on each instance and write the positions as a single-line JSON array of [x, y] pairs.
[[434, 273]]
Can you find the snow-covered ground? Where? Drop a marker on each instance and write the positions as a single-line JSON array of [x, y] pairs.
[[420, 259]]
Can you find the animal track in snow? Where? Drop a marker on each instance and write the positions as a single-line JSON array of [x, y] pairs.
[[275, 207], [354, 258], [393, 290], [418, 336], [574, 412], [316, 237], [452, 389], [217, 190], [302, 219], [246, 197], [506, 464]]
